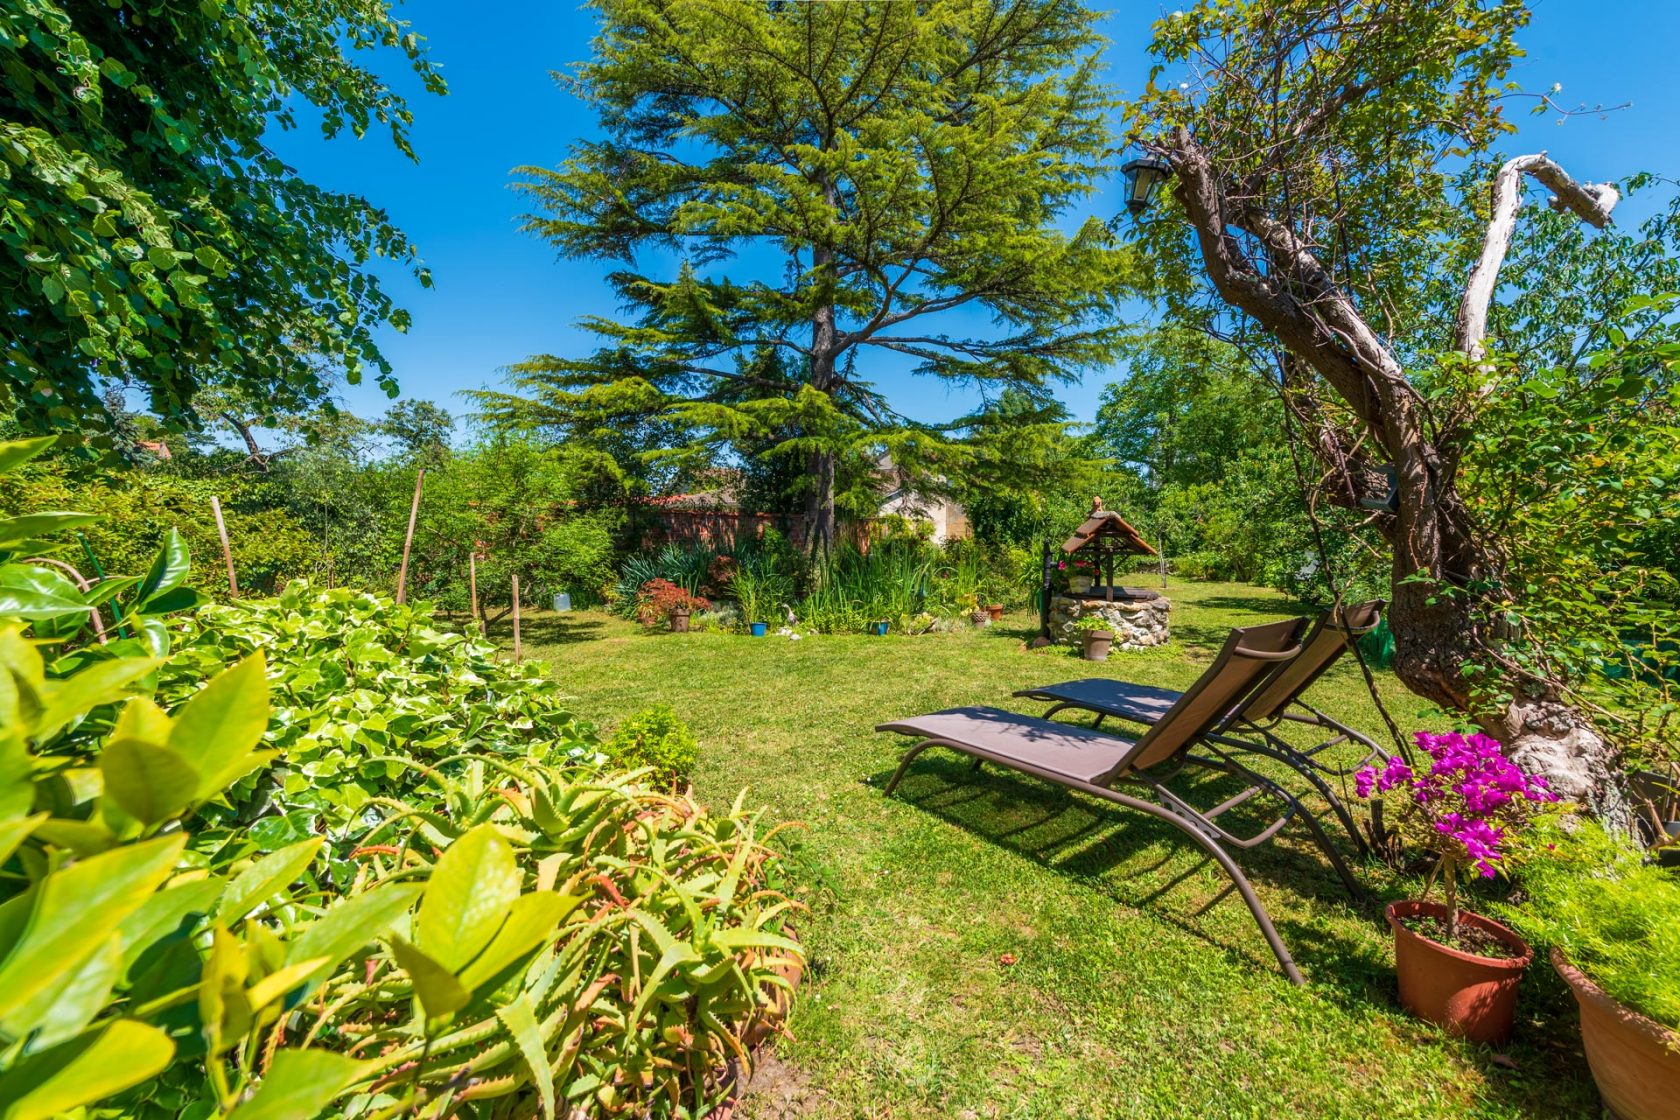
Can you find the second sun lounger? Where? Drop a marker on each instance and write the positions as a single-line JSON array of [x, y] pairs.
[[1251, 724], [1135, 773]]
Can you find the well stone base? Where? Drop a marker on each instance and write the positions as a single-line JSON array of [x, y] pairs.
[[1137, 622]]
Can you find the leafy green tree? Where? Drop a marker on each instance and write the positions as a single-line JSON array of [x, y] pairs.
[[420, 430], [1316, 214], [885, 163], [151, 236]]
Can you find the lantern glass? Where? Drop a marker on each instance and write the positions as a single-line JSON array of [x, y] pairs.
[[1144, 177]]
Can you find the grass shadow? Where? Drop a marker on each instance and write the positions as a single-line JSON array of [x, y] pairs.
[[1072, 836], [549, 629], [1253, 604]]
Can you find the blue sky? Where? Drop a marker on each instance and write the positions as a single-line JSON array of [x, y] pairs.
[[501, 295]]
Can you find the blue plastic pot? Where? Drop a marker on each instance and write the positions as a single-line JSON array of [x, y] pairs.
[[878, 629], [759, 629]]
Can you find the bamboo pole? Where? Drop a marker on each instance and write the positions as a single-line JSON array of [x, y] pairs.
[[517, 652], [227, 553], [408, 538], [472, 584]]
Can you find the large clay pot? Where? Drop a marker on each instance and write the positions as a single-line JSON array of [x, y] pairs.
[[679, 622], [1635, 1061], [1469, 995], [995, 610], [1097, 644]]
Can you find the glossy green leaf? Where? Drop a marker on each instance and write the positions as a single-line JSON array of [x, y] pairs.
[[530, 921], [64, 1010], [150, 783], [102, 682], [16, 452], [16, 530], [265, 878], [84, 1071], [353, 923], [176, 911], [78, 908], [437, 989], [300, 1084], [169, 569], [467, 897], [30, 591], [218, 728]]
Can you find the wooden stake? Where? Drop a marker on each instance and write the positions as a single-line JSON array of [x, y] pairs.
[[227, 553], [516, 649], [408, 539], [472, 583]]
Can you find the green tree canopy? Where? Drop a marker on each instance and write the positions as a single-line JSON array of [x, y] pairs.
[[883, 163], [151, 236]]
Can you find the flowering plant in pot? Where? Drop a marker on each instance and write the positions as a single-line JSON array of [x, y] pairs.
[[1097, 639], [1456, 968], [660, 600], [1079, 573], [1611, 918]]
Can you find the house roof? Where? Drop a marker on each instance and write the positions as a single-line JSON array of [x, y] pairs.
[[1107, 523]]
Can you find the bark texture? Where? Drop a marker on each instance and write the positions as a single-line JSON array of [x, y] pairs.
[[1261, 266]]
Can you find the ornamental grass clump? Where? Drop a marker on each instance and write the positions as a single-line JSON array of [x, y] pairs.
[[1463, 806]]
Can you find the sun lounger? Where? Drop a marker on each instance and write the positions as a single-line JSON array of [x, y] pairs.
[[1135, 773], [1253, 721]]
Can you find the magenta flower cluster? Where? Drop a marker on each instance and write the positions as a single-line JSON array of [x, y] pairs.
[[1470, 793]]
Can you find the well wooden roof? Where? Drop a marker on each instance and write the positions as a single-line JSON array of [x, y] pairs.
[[1107, 523]]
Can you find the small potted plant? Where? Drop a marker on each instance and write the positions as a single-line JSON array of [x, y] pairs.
[[879, 627], [1096, 637], [1455, 968], [1612, 921], [660, 600], [1078, 574], [994, 611]]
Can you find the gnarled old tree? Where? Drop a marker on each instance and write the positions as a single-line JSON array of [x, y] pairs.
[[1311, 143]]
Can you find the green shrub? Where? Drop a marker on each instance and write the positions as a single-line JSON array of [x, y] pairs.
[[362, 687], [656, 738], [519, 936], [1614, 915]]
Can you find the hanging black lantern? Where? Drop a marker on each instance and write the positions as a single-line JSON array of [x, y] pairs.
[[1144, 176]]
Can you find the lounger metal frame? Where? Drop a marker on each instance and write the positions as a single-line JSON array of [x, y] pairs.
[[1163, 804]]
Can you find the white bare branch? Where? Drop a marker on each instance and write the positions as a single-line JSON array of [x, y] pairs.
[[1591, 202]]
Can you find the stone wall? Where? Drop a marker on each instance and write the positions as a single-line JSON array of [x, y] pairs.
[[1137, 623]]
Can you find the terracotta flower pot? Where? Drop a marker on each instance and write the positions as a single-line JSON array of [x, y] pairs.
[[679, 622], [1634, 1060], [995, 611], [1469, 995], [1097, 644]]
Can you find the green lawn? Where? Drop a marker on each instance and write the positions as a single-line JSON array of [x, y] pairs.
[[1125, 998]]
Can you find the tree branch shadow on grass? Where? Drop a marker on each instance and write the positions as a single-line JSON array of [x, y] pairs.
[[548, 629]]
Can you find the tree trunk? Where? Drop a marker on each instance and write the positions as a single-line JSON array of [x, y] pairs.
[[825, 352], [1438, 558]]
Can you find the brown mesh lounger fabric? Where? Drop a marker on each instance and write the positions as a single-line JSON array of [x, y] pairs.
[[1094, 762], [1251, 723]]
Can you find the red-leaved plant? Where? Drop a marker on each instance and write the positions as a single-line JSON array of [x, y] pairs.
[[659, 599]]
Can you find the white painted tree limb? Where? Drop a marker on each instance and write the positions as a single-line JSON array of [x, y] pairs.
[[1591, 202]]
